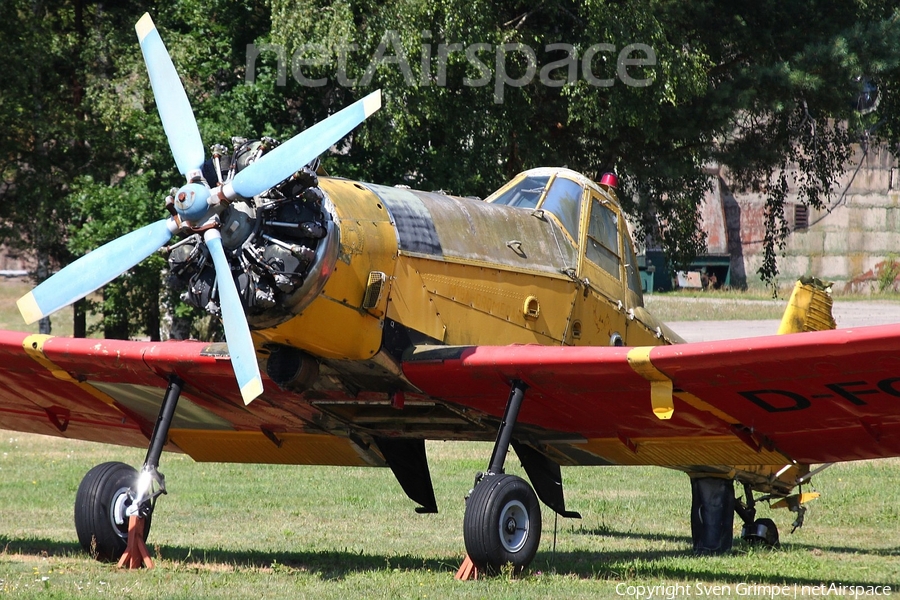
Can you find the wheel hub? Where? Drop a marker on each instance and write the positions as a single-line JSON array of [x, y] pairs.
[[510, 526], [117, 516], [513, 526]]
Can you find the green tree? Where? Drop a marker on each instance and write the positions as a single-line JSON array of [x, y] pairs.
[[43, 141], [55, 54], [84, 157], [764, 88]]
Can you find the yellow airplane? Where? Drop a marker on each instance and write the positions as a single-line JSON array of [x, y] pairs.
[[362, 320]]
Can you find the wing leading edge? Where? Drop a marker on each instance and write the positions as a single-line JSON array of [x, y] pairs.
[[807, 398]]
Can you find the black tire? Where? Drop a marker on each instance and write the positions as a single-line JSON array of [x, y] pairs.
[[763, 532], [101, 500], [502, 524]]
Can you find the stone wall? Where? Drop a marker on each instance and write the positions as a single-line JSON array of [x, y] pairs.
[[853, 241], [12, 262]]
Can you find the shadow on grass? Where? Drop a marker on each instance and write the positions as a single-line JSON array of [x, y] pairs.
[[650, 566], [328, 564], [654, 537], [739, 545], [39, 547], [336, 565]]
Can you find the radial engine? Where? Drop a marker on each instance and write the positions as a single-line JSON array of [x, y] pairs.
[[279, 244]]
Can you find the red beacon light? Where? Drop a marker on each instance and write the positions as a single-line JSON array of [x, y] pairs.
[[609, 182]]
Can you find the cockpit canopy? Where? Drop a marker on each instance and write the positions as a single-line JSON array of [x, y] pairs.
[[589, 215], [562, 199]]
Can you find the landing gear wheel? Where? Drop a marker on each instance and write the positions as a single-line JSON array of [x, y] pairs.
[[502, 524], [762, 532], [100, 505]]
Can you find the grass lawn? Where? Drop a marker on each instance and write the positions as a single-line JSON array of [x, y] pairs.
[[239, 531], [712, 307], [11, 289]]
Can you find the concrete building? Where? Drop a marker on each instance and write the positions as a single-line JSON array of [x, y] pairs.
[[853, 241], [12, 264]]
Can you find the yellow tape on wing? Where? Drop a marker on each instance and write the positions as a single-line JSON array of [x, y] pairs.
[[660, 386]]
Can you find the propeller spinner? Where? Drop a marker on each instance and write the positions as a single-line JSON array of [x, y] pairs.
[[198, 208]]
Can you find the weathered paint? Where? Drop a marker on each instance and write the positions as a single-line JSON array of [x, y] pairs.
[[368, 242], [466, 271], [458, 272]]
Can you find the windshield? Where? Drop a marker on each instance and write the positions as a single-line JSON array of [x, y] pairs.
[[524, 194], [564, 201]]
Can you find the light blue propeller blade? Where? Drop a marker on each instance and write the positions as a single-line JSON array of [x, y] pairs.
[[286, 159], [171, 100], [237, 331], [94, 270]]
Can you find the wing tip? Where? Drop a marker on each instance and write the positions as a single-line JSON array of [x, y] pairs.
[[144, 26], [371, 103], [29, 308], [251, 390]]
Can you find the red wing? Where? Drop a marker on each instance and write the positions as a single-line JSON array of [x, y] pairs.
[[812, 397], [110, 391]]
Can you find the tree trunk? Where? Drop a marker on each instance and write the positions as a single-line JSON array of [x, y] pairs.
[[79, 319]]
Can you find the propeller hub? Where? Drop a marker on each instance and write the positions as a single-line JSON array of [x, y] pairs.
[[191, 202]]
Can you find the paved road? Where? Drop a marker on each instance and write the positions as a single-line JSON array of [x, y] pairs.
[[847, 314]]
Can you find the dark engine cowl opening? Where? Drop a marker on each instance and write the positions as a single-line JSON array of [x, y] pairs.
[[291, 368]]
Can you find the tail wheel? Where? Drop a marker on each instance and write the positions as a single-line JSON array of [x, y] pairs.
[[502, 524], [100, 504], [762, 532]]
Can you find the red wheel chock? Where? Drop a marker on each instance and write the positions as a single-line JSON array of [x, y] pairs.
[[136, 554], [467, 571]]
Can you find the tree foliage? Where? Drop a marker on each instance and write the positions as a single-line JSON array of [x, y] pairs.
[[765, 89], [86, 159]]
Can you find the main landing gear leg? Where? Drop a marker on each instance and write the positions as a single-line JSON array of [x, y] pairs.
[[712, 515], [502, 523], [114, 493], [151, 483]]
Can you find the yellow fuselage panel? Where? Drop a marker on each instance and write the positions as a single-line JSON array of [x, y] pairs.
[[479, 304], [458, 270], [334, 324], [470, 272]]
